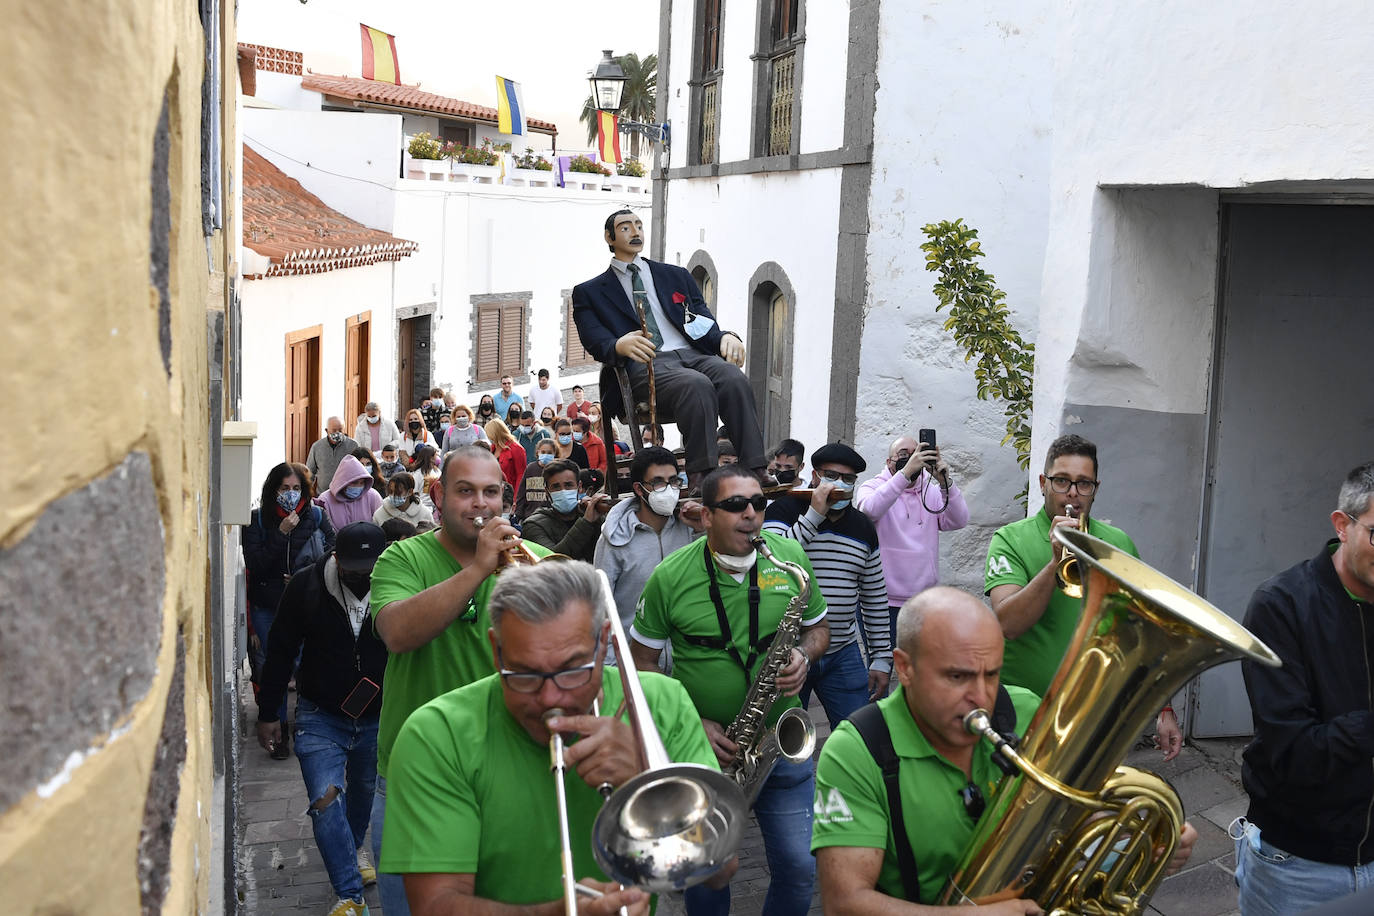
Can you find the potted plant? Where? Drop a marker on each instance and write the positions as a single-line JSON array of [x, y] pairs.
[[630, 177], [426, 160], [474, 163], [532, 170], [582, 172]]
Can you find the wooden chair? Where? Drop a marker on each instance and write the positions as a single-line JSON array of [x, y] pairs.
[[635, 416]]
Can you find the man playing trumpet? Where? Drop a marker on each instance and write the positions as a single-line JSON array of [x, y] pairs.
[[473, 819]]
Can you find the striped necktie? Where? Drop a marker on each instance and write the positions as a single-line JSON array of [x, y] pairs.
[[642, 302]]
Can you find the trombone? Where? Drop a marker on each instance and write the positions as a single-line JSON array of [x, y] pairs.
[[672, 826]]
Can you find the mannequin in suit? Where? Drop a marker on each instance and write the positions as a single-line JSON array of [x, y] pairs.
[[696, 365]]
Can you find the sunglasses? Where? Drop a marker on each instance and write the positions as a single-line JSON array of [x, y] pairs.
[[739, 503]]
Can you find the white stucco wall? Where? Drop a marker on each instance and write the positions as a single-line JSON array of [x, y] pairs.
[[276, 306], [824, 59], [284, 90], [1222, 96], [961, 130], [745, 221], [348, 160]]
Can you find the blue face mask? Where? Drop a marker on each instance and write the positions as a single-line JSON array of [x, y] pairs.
[[564, 501], [565, 440], [577, 436], [399, 501], [289, 499], [353, 492], [842, 504], [545, 458]]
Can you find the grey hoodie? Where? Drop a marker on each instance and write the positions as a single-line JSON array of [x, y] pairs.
[[628, 550]]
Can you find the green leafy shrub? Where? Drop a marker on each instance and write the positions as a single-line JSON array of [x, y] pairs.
[[531, 160], [631, 167], [978, 317], [585, 165], [471, 155], [423, 146]]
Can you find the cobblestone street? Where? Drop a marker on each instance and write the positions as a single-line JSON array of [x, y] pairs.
[[281, 871]]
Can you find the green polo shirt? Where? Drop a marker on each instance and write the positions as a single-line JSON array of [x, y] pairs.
[[851, 799], [459, 655], [471, 792], [1018, 551], [676, 605]]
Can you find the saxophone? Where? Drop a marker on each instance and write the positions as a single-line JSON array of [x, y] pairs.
[[793, 736]]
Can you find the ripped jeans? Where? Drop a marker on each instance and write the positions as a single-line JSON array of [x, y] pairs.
[[1277, 883], [338, 754]]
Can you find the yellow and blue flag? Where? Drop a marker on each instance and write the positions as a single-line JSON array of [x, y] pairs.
[[379, 56], [510, 107]]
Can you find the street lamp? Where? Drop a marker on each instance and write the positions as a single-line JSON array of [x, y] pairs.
[[607, 82]]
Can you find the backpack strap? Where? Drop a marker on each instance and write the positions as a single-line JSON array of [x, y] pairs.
[[868, 722], [1004, 723]]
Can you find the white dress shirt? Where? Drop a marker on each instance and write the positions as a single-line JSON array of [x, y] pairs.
[[673, 339]]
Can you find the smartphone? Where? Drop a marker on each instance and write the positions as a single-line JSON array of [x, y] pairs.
[[362, 695], [926, 437]]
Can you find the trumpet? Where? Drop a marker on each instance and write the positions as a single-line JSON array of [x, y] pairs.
[[518, 553], [669, 828]]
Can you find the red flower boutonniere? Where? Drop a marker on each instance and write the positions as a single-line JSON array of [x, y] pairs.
[[679, 298]]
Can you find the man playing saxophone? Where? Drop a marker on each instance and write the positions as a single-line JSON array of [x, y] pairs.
[[720, 604], [948, 660]]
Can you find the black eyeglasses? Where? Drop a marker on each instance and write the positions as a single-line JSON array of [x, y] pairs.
[[533, 681], [739, 503], [1364, 526], [973, 801], [1064, 485], [836, 475]]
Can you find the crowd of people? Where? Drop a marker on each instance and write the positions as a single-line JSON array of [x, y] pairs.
[[398, 574]]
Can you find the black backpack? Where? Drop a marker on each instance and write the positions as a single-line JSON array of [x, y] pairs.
[[868, 722]]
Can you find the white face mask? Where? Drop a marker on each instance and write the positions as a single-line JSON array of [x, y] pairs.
[[663, 502], [374, 420], [740, 564]]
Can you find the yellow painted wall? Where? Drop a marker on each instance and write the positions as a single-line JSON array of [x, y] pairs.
[[84, 84]]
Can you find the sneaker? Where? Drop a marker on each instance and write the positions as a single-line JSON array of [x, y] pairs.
[[365, 868], [349, 908]]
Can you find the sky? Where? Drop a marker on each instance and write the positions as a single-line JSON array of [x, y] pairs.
[[457, 47]]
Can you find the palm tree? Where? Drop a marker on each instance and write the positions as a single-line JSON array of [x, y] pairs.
[[637, 102]]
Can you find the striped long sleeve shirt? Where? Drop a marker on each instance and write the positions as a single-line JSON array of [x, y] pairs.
[[849, 573]]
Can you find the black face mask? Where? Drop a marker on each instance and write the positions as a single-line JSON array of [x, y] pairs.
[[414, 427], [900, 463], [359, 583], [785, 475]]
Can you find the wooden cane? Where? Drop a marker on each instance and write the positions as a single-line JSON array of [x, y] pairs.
[[649, 366]]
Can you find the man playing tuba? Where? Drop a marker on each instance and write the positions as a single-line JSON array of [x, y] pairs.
[[720, 604]]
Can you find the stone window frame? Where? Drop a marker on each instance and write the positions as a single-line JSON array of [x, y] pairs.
[[523, 299], [703, 78], [568, 337], [700, 259], [766, 53]]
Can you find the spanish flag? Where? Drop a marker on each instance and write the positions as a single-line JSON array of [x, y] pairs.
[[510, 107], [379, 56], [608, 137]]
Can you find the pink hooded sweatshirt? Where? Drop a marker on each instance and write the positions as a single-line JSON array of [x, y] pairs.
[[346, 511], [908, 535]]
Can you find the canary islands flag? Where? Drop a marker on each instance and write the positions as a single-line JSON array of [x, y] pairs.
[[608, 136], [510, 107], [379, 56]]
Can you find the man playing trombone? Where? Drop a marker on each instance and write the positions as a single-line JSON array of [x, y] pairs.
[[473, 820]]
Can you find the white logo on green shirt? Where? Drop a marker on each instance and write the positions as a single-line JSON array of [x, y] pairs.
[[999, 566], [832, 808]]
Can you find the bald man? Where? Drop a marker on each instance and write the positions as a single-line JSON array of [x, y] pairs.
[[947, 660], [328, 451]]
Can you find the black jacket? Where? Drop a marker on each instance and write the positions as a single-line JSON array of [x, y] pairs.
[[1310, 768], [332, 662], [270, 556]]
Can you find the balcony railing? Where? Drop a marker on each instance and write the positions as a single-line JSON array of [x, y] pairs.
[[780, 105], [709, 119]]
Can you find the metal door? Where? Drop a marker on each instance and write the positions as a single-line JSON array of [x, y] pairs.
[[1291, 406]]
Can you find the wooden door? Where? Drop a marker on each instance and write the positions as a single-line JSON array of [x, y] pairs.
[[357, 360], [302, 392]]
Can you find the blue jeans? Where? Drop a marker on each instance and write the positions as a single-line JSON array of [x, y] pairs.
[[262, 627], [391, 888], [1276, 883], [338, 753], [783, 811], [841, 681]]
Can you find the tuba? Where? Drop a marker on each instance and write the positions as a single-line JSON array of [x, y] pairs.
[[1071, 829], [793, 735]]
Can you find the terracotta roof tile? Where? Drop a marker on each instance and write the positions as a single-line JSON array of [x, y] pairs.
[[298, 232], [361, 90]]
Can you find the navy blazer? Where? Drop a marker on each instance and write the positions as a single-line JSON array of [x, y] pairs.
[[603, 314]]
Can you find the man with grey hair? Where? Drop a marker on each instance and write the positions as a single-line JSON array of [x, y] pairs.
[[474, 762], [947, 660], [327, 452], [373, 431], [1306, 838]]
